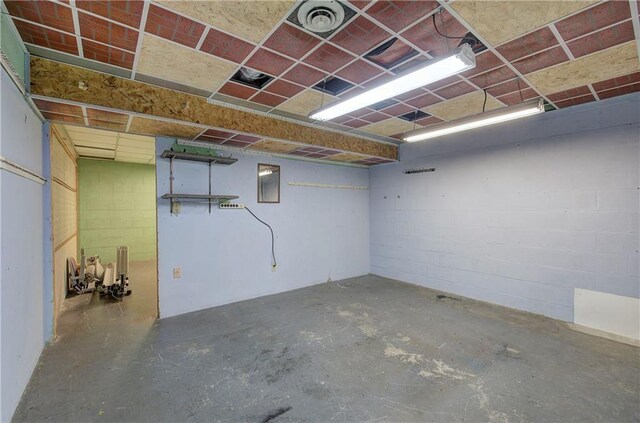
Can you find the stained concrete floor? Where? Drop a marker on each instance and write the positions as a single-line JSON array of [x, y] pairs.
[[366, 348]]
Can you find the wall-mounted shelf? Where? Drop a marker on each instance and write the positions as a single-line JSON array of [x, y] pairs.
[[197, 197], [202, 198], [168, 154]]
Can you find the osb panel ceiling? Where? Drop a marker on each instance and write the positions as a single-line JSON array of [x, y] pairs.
[[515, 17], [57, 80], [528, 45], [465, 105], [251, 20], [169, 61], [158, 127]]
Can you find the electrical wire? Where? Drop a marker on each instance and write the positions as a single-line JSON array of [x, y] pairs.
[[484, 105], [443, 35], [519, 89], [273, 251]]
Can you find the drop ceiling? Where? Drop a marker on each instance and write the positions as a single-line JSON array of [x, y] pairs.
[[94, 143], [569, 52]]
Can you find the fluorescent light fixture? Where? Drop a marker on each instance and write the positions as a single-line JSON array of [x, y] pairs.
[[265, 172], [434, 70], [528, 108]]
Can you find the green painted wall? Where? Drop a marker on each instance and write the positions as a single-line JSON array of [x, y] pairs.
[[117, 206]]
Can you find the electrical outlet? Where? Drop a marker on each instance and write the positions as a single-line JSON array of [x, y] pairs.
[[231, 206], [177, 273]]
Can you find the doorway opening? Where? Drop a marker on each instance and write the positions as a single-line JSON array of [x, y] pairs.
[[103, 228]]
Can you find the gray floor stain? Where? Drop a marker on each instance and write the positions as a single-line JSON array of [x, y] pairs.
[[362, 349]]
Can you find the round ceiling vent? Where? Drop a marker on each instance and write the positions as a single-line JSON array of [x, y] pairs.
[[321, 15]]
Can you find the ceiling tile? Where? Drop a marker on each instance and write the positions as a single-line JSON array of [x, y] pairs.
[[268, 62], [106, 54], [159, 127], [409, 95], [397, 53], [246, 138], [528, 44], [38, 35], [455, 90], [466, 105], [507, 87], [250, 19], [289, 40], [165, 60], [113, 126], [541, 60], [627, 89], [617, 82], [567, 94], [399, 14], [47, 13], [356, 123], [358, 72], [397, 110], [493, 77], [429, 120], [575, 101], [374, 117], [424, 101], [345, 157], [515, 17], [593, 19], [127, 12], [388, 127], [599, 66], [213, 140], [426, 37], [485, 61], [602, 39], [169, 25], [226, 46], [268, 99], [283, 88], [304, 75], [306, 102], [79, 120], [274, 146], [106, 32], [328, 58], [51, 106], [237, 90], [239, 144], [218, 133], [360, 36], [95, 114]]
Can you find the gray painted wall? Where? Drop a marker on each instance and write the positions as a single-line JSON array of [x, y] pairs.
[[518, 214], [321, 233], [21, 258]]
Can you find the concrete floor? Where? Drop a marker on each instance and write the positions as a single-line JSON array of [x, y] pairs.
[[367, 348]]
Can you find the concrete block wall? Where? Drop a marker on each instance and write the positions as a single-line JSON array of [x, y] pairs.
[[321, 234], [22, 284], [117, 203], [551, 206]]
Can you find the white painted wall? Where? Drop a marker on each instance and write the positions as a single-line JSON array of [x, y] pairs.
[[321, 233], [21, 258], [611, 313], [519, 214]]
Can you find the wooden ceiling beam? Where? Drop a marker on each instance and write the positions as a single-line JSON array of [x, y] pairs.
[[72, 83]]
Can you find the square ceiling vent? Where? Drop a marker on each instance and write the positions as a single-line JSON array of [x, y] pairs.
[[322, 17]]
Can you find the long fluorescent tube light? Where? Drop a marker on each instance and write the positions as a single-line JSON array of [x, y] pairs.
[[528, 108], [433, 70]]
